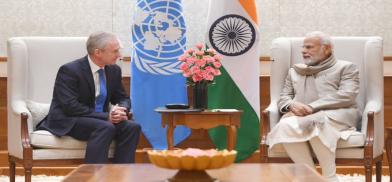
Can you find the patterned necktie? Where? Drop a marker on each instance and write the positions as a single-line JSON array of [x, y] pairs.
[[100, 100]]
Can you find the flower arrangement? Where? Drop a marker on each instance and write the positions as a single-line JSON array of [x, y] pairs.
[[200, 65]]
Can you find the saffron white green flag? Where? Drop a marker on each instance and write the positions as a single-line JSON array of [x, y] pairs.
[[233, 32]]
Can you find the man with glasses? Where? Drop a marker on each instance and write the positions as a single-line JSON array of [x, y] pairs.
[[318, 105]]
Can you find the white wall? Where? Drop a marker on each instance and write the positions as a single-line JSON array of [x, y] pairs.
[[277, 18]]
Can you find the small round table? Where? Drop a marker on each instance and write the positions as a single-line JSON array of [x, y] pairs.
[[196, 119]]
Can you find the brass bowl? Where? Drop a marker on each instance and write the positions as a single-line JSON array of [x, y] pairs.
[[179, 159]]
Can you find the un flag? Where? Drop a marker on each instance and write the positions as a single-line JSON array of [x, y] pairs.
[[158, 38]]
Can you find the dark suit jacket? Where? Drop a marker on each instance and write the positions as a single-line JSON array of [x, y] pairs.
[[74, 96]]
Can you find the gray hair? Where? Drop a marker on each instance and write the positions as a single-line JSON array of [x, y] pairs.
[[98, 40], [325, 39]]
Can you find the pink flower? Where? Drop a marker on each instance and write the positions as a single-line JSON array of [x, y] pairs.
[[182, 58], [217, 64], [184, 66], [199, 46], [217, 57], [199, 53], [201, 62], [190, 60], [209, 59], [211, 51], [209, 69], [209, 77], [217, 72], [194, 152], [189, 51], [195, 70], [203, 74], [197, 77], [186, 73]]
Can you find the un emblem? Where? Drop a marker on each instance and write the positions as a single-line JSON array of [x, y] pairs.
[[158, 36], [232, 35]]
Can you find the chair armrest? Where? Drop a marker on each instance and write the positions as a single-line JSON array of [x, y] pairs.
[[374, 142], [271, 113], [18, 132], [19, 107], [373, 106], [269, 117], [265, 126], [27, 149], [274, 114], [264, 130]]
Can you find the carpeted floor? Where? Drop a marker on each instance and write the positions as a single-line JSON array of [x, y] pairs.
[[359, 178], [43, 178], [36, 178]]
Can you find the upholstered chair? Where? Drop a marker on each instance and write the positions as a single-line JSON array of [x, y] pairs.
[[33, 63], [365, 146]]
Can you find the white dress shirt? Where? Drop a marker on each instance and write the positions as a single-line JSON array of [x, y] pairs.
[[94, 70]]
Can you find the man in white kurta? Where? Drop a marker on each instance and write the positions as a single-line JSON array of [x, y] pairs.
[[318, 103]]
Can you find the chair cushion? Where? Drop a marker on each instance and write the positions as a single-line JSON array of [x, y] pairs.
[[348, 153], [356, 139], [42, 154], [38, 110], [350, 148], [44, 139]]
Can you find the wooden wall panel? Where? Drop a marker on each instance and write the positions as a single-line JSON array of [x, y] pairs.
[[264, 92], [387, 101], [3, 113]]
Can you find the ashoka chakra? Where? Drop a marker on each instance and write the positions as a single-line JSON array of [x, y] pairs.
[[232, 35]]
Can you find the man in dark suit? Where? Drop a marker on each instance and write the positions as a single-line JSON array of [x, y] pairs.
[[80, 106]]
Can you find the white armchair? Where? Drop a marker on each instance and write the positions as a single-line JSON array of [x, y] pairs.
[[365, 147], [32, 66]]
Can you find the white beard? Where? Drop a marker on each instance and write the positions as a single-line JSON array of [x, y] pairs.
[[311, 62], [314, 60]]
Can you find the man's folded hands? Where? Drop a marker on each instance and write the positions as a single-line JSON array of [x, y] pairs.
[[300, 109], [118, 114]]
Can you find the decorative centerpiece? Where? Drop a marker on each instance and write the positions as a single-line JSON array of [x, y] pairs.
[[200, 66], [192, 162]]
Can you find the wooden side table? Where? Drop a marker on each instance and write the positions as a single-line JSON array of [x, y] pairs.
[[195, 119], [388, 146]]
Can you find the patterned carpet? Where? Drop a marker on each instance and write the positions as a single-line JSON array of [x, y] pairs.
[[43, 178], [36, 178], [359, 178]]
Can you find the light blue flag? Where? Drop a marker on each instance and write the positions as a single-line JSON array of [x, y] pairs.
[[158, 38]]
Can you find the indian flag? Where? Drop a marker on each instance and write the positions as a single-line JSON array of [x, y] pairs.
[[233, 33]]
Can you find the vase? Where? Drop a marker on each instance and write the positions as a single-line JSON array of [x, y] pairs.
[[200, 95]]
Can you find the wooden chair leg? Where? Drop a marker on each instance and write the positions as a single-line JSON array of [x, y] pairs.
[[28, 166], [368, 170], [27, 174], [12, 169], [378, 171], [388, 144]]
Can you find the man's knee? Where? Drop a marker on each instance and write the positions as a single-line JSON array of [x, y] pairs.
[[129, 127], [107, 127], [287, 121], [134, 127]]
